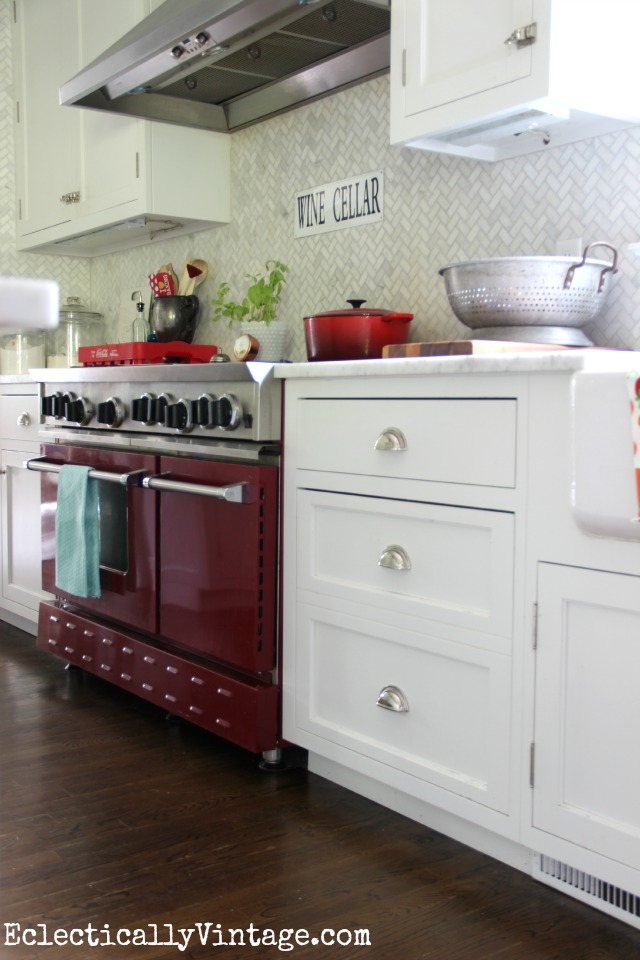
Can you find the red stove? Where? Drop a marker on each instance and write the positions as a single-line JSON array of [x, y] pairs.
[[185, 457]]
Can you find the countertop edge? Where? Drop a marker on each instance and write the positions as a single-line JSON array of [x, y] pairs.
[[571, 360]]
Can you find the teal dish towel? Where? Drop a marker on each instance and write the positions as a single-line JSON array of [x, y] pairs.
[[77, 532]]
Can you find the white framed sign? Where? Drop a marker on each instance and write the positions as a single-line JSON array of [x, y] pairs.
[[341, 204]]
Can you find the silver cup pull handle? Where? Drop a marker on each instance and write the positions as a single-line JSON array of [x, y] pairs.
[[395, 558], [391, 439], [392, 698]]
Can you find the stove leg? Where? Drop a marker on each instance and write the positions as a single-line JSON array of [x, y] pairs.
[[272, 760]]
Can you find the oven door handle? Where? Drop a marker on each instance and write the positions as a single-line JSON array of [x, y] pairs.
[[42, 465], [234, 493]]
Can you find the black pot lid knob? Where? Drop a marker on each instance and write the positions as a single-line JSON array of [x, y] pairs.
[[356, 304]]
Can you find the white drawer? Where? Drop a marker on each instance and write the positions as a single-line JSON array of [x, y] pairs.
[[455, 733], [454, 564], [19, 417], [471, 441]]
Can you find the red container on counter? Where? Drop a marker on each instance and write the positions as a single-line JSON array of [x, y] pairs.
[[117, 354], [356, 334]]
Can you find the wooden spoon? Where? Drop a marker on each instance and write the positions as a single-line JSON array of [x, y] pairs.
[[187, 279], [204, 270]]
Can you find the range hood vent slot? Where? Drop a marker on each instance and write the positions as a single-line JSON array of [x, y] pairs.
[[256, 67], [516, 124]]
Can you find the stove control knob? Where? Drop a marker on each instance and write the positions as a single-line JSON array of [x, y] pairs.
[[229, 414], [203, 410], [148, 409], [159, 406], [53, 405], [79, 411], [143, 410], [111, 412], [177, 416]]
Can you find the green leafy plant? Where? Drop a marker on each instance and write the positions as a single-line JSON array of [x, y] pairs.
[[260, 301]]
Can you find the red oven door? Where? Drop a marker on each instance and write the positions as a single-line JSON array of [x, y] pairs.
[[128, 528], [218, 561]]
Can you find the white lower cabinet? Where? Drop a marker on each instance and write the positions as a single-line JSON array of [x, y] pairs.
[[456, 645], [400, 535], [587, 716], [21, 591], [21, 570]]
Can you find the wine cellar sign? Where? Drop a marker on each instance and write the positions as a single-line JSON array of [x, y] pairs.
[[343, 203]]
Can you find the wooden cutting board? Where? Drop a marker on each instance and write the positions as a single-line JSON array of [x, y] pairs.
[[455, 348]]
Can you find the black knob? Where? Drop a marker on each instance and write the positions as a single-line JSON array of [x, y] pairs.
[[143, 409], [203, 411], [224, 412], [229, 412], [157, 409], [78, 411], [52, 406], [176, 416], [356, 304], [110, 412]]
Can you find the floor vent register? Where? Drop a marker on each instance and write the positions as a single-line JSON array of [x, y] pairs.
[[597, 893]]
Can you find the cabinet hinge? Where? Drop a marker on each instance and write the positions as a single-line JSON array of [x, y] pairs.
[[17, 111], [15, 12], [404, 68], [137, 166], [532, 762], [19, 208], [534, 627]]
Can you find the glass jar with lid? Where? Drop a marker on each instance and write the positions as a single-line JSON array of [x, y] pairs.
[[78, 327], [19, 352]]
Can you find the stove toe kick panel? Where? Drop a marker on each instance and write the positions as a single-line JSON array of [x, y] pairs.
[[241, 710]]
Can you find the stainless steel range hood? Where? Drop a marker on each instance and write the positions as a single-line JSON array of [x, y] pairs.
[[225, 64]]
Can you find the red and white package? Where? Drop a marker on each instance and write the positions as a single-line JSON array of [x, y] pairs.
[[162, 284]]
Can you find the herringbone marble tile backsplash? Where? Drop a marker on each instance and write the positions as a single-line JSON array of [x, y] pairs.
[[437, 210]]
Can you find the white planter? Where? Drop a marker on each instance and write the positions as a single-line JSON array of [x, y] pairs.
[[272, 338]]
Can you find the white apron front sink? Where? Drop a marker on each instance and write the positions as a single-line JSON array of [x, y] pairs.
[[604, 493]]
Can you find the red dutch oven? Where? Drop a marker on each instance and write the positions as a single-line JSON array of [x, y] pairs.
[[355, 334]]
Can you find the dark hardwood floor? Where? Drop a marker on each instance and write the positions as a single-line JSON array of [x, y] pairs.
[[112, 815]]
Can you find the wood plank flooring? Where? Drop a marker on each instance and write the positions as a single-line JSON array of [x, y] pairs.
[[115, 817]]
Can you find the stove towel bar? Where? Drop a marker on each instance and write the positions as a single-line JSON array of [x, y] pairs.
[[42, 465], [234, 493]]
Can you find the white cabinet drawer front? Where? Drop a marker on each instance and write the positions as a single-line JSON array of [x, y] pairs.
[[450, 564], [19, 417], [455, 733], [471, 441]]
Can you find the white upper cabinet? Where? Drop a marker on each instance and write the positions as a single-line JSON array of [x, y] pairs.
[[90, 183], [502, 78]]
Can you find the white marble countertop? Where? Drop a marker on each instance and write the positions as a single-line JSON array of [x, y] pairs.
[[570, 360], [7, 379]]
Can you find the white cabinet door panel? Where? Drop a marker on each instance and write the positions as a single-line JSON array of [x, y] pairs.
[[587, 764], [21, 536], [456, 49], [48, 141]]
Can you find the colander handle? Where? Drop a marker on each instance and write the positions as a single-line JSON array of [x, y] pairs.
[[568, 280]]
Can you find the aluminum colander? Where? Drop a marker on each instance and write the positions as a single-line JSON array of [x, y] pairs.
[[544, 299]]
